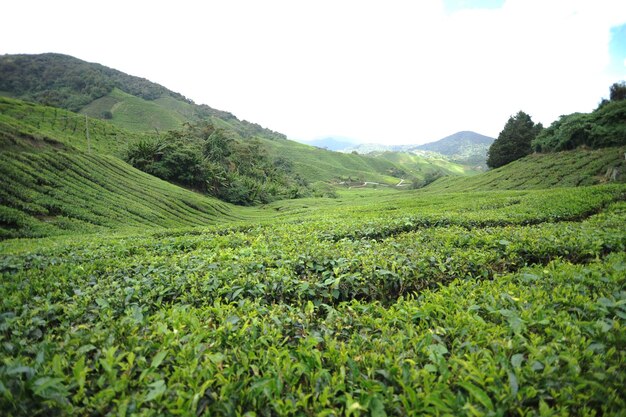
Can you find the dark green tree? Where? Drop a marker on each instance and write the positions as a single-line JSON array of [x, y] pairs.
[[514, 142], [618, 91]]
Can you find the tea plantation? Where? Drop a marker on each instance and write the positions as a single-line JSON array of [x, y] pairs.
[[497, 303]]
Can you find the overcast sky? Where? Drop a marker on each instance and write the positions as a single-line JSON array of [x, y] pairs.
[[393, 71]]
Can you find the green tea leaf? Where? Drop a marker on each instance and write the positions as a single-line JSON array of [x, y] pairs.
[[477, 393], [157, 388], [156, 361]]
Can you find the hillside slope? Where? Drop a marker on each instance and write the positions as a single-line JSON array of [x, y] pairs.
[[32, 127], [560, 169], [418, 165], [29, 126], [50, 193], [134, 106], [133, 102], [317, 164], [55, 181]]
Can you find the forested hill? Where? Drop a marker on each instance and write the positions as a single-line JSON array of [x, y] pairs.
[[64, 81]]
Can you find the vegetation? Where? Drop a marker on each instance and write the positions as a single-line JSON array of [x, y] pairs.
[[135, 103], [50, 193], [30, 127], [560, 169], [122, 294], [316, 164], [210, 159], [618, 91], [468, 148], [255, 171], [514, 142], [503, 303], [66, 82], [604, 127]]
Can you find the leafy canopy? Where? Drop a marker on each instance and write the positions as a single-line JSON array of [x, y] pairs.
[[514, 142], [604, 127], [213, 160]]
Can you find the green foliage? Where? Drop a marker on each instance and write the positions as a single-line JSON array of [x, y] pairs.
[[501, 303], [618, 91], [136, 103], [604, 127], [63, 81], [50, 193], [514, 142], [31, 127], [559, 169], [210, 159]]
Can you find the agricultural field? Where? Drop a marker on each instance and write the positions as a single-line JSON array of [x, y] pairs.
[[559, 169], [379, 303], [55, 193]]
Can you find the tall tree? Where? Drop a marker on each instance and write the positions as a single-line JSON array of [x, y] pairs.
[[514, 142], [618, 91]]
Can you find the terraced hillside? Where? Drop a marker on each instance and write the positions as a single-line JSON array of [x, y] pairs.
[[50, 193], [31, 127], [560, 169], [141, 115]]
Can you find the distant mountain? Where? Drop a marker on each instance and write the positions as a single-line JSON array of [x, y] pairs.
[[463, 147], [466, 148]]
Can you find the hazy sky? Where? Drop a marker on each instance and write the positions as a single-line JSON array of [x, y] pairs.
[[393, 71]]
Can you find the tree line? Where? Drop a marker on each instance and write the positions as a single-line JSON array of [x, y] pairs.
[[604, 127]]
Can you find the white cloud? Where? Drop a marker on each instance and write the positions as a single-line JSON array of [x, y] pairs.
[[393, 71]]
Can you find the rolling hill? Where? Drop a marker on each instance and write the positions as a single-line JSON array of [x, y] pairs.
[[130, 102], [134, 108]]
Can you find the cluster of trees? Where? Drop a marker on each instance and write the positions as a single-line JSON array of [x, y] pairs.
[[604, 127], [215, 161]]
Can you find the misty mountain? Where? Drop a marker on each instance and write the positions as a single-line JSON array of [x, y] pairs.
[[467, 148], [463, 147]]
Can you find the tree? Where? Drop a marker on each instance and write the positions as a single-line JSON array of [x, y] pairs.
[[514, 142], [618, 91]]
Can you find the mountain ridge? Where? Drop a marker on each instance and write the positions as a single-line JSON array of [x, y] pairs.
[[73, 84]]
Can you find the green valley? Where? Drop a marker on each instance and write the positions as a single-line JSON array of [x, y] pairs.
[[327, 290]]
